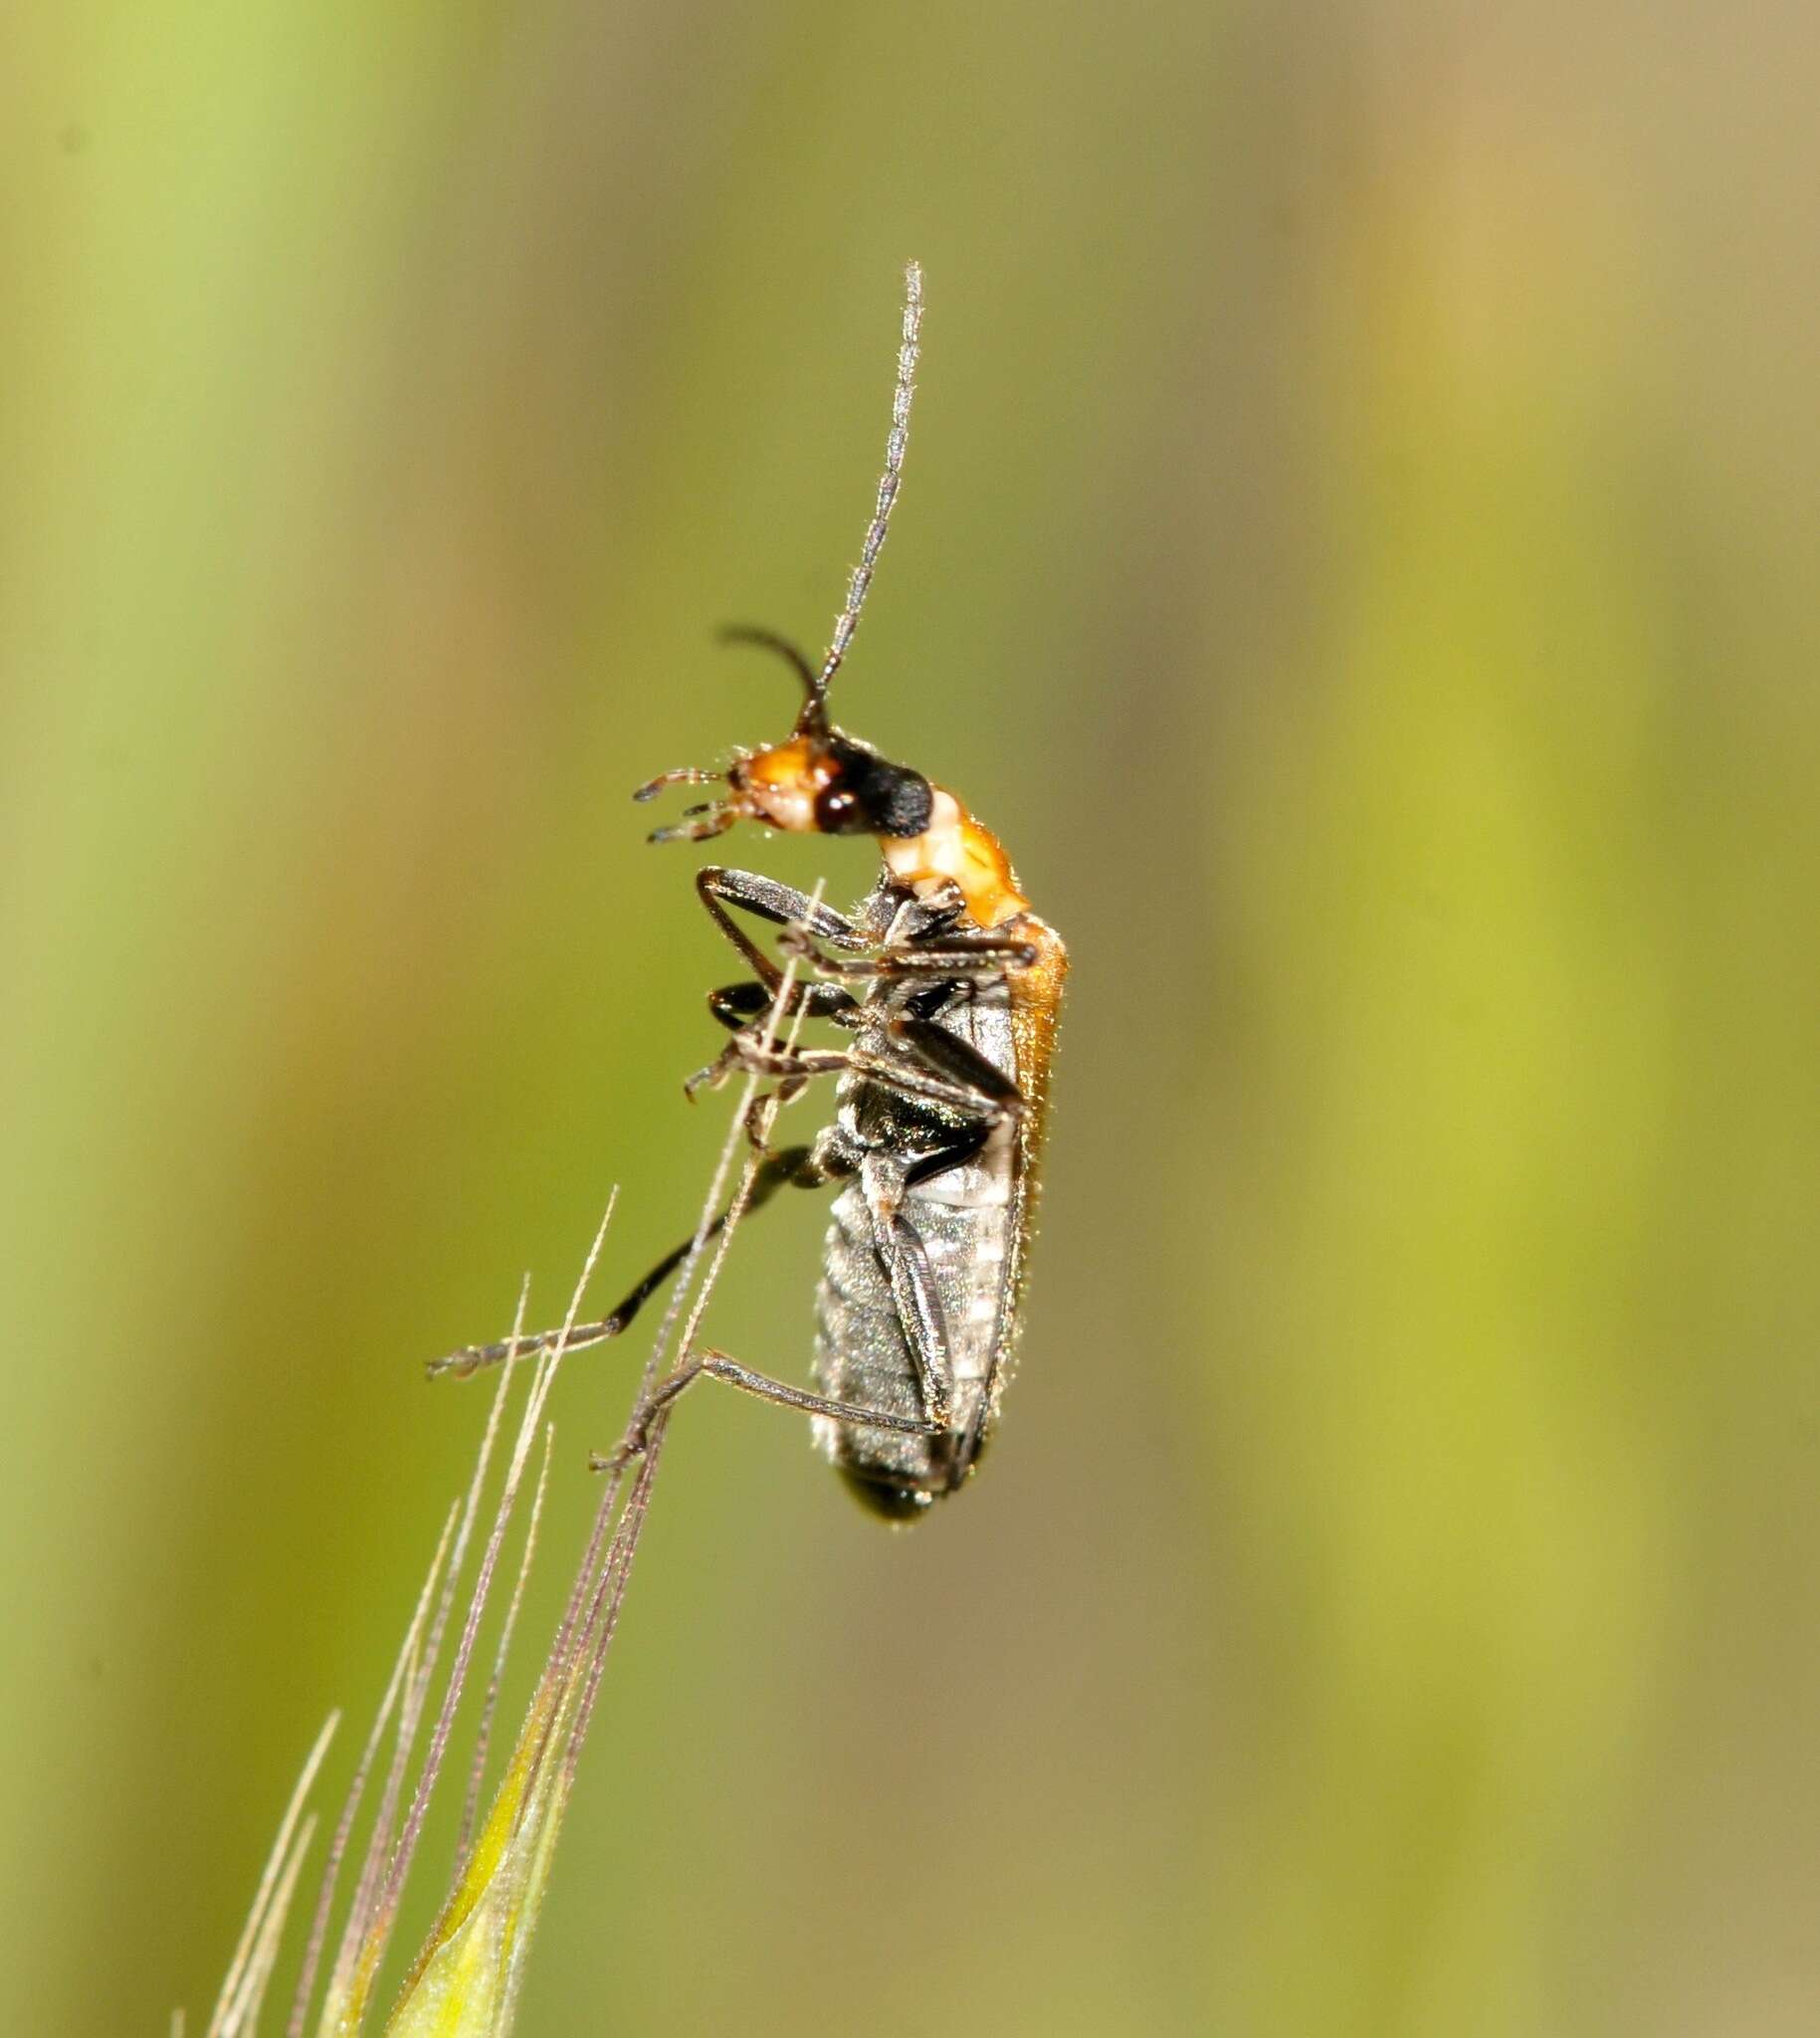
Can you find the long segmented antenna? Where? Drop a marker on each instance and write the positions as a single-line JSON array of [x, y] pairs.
[[848, 620]]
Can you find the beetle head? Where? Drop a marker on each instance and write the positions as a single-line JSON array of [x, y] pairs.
[[817, 781]]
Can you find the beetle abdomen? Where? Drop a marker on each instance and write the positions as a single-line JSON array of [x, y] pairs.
[[862, 1357]]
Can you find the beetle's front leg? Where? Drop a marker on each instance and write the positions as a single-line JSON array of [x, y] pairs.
[[977, 956], [782, 904]]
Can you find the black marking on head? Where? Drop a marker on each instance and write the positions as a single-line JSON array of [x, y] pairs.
[[870, 796]]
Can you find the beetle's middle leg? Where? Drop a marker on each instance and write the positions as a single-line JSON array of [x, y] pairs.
[[936, 1066], [797, 1168]]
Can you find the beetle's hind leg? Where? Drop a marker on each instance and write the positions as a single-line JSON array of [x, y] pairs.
[[905, 1259], [718, 1366], [913, 1293]]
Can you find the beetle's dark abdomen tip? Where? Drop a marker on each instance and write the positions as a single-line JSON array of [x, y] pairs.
[[885, 1497]]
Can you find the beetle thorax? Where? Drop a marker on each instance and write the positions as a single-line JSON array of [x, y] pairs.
[[958, 849]]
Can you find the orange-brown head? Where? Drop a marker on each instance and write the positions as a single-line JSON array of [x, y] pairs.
[[821, 781], [817, 781]]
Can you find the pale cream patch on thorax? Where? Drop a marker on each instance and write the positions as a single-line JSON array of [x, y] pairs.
[[956, 849]]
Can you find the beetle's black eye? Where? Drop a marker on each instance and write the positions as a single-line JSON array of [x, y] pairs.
[[870, 796], [840, 812]]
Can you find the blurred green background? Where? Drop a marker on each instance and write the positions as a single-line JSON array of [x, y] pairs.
[[1358, 547]]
